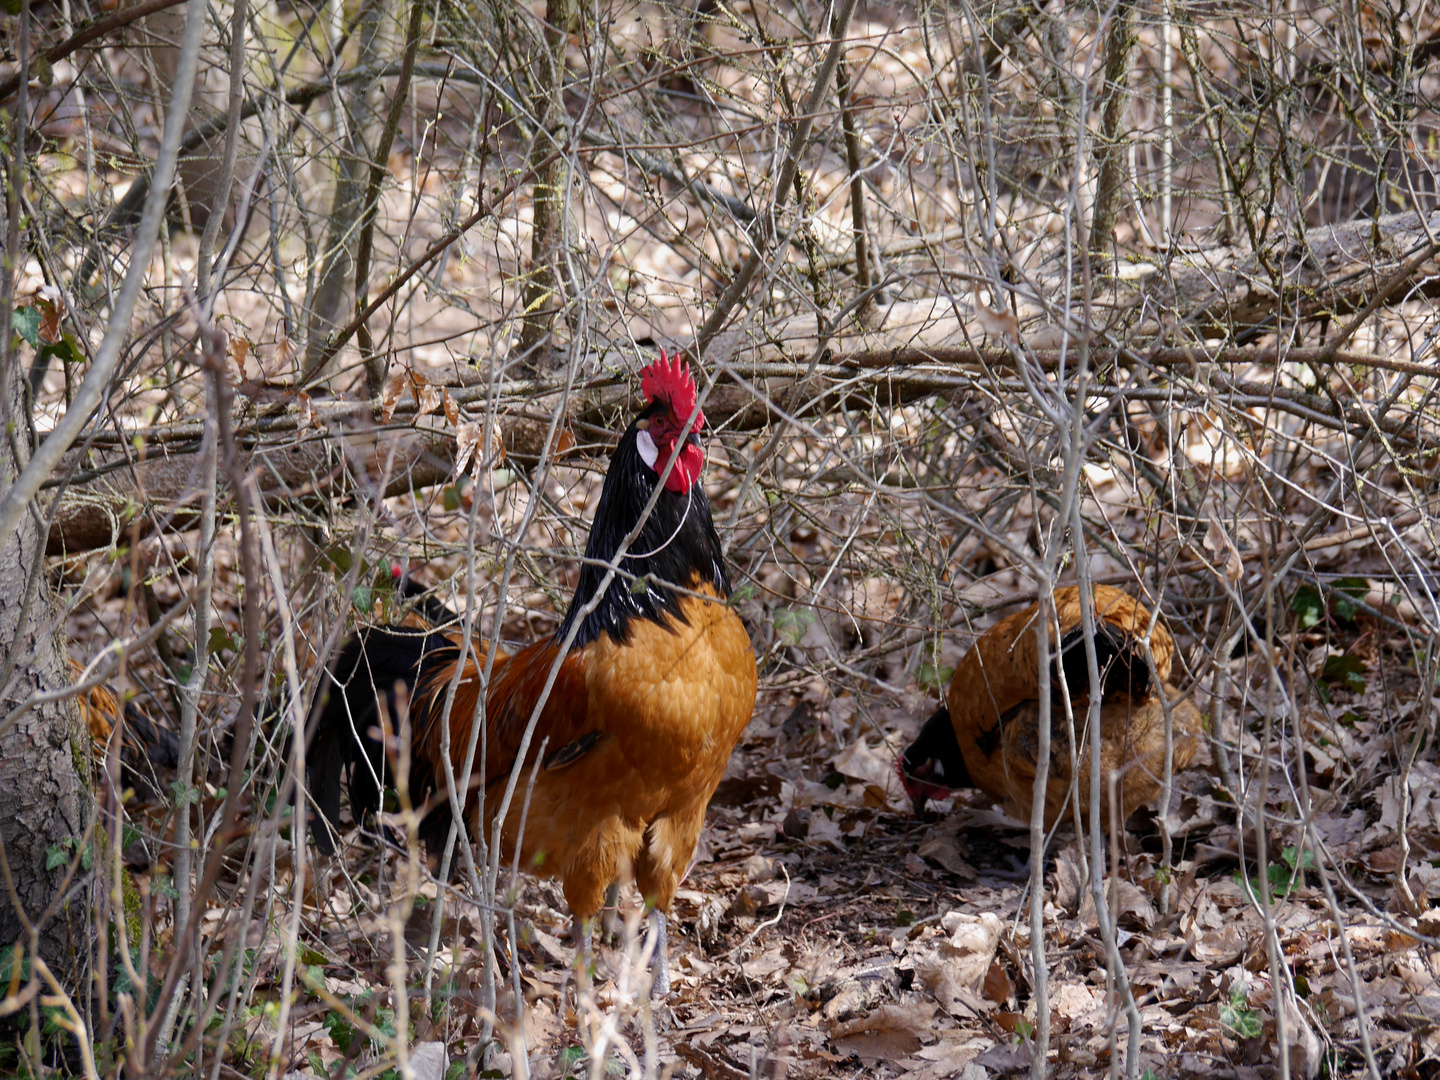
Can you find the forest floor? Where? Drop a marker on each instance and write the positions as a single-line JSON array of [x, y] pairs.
[[826, 930]]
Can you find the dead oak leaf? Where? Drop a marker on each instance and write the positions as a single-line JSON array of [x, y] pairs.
[[395, 386], [890, 1032]]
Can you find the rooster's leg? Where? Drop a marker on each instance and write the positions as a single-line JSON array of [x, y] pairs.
[[611, 924], [660, 958], [584, 956]]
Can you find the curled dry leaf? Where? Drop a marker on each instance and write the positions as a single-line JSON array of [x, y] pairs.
[[941, 846], [891, 1031], [394, 387], [51, 302], [452, 410], [427, 396], [956, 970], [874, 768], [467, 436], [305, 409], [998, 987], [239, 351], [286, 350], [1218, 541]]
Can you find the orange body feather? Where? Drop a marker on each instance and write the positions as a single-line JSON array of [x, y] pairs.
[[987, 736], [632, 742]]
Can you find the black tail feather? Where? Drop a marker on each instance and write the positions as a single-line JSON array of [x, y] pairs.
[[345, 723], [1123, 669], [149, 753]]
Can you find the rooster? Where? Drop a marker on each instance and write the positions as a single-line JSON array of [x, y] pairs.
[[987, 733], [647, 702]]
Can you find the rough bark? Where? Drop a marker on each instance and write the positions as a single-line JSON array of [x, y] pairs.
[[549, 201], [45, 801], [1111, 147], [342, 229]]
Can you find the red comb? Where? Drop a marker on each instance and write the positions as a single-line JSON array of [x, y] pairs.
[[668, 379]]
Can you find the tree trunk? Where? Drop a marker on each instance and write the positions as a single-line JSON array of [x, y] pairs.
[[332, 289], [542, 299], [45, 800]]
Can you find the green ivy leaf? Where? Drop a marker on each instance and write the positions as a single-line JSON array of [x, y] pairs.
[[791, 624], [55, 856], [934, 677], [222, 640], [1308, 605], [67, 349], [1344, 670], [339, 1030], [742, 593], [26, 320], [1344, 593], [570, 1057], [1237, 1017]]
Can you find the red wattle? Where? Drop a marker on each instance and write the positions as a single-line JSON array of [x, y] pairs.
[[689, 463]]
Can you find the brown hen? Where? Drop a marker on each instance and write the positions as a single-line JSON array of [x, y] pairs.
[[986, 735]]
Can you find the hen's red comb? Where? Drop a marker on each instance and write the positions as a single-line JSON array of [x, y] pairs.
[[669, 379]]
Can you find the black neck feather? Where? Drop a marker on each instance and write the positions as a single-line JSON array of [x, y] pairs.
[[677, 546]]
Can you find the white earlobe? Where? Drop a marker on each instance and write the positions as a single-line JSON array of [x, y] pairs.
[[647, 448]]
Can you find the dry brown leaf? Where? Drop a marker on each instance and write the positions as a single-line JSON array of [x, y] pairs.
[[305, 412], [286, 350], [891, 1031], [452, 410], [1130, 902], [771, 962], [394, 387], [1007, 1021], [427, 396], [51, 302], [876, 768], [998, 987], [239, 350], [1072, 1000], [954, 971], [1218, 541], [940, 846], [467, 437], [1069, 886]]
